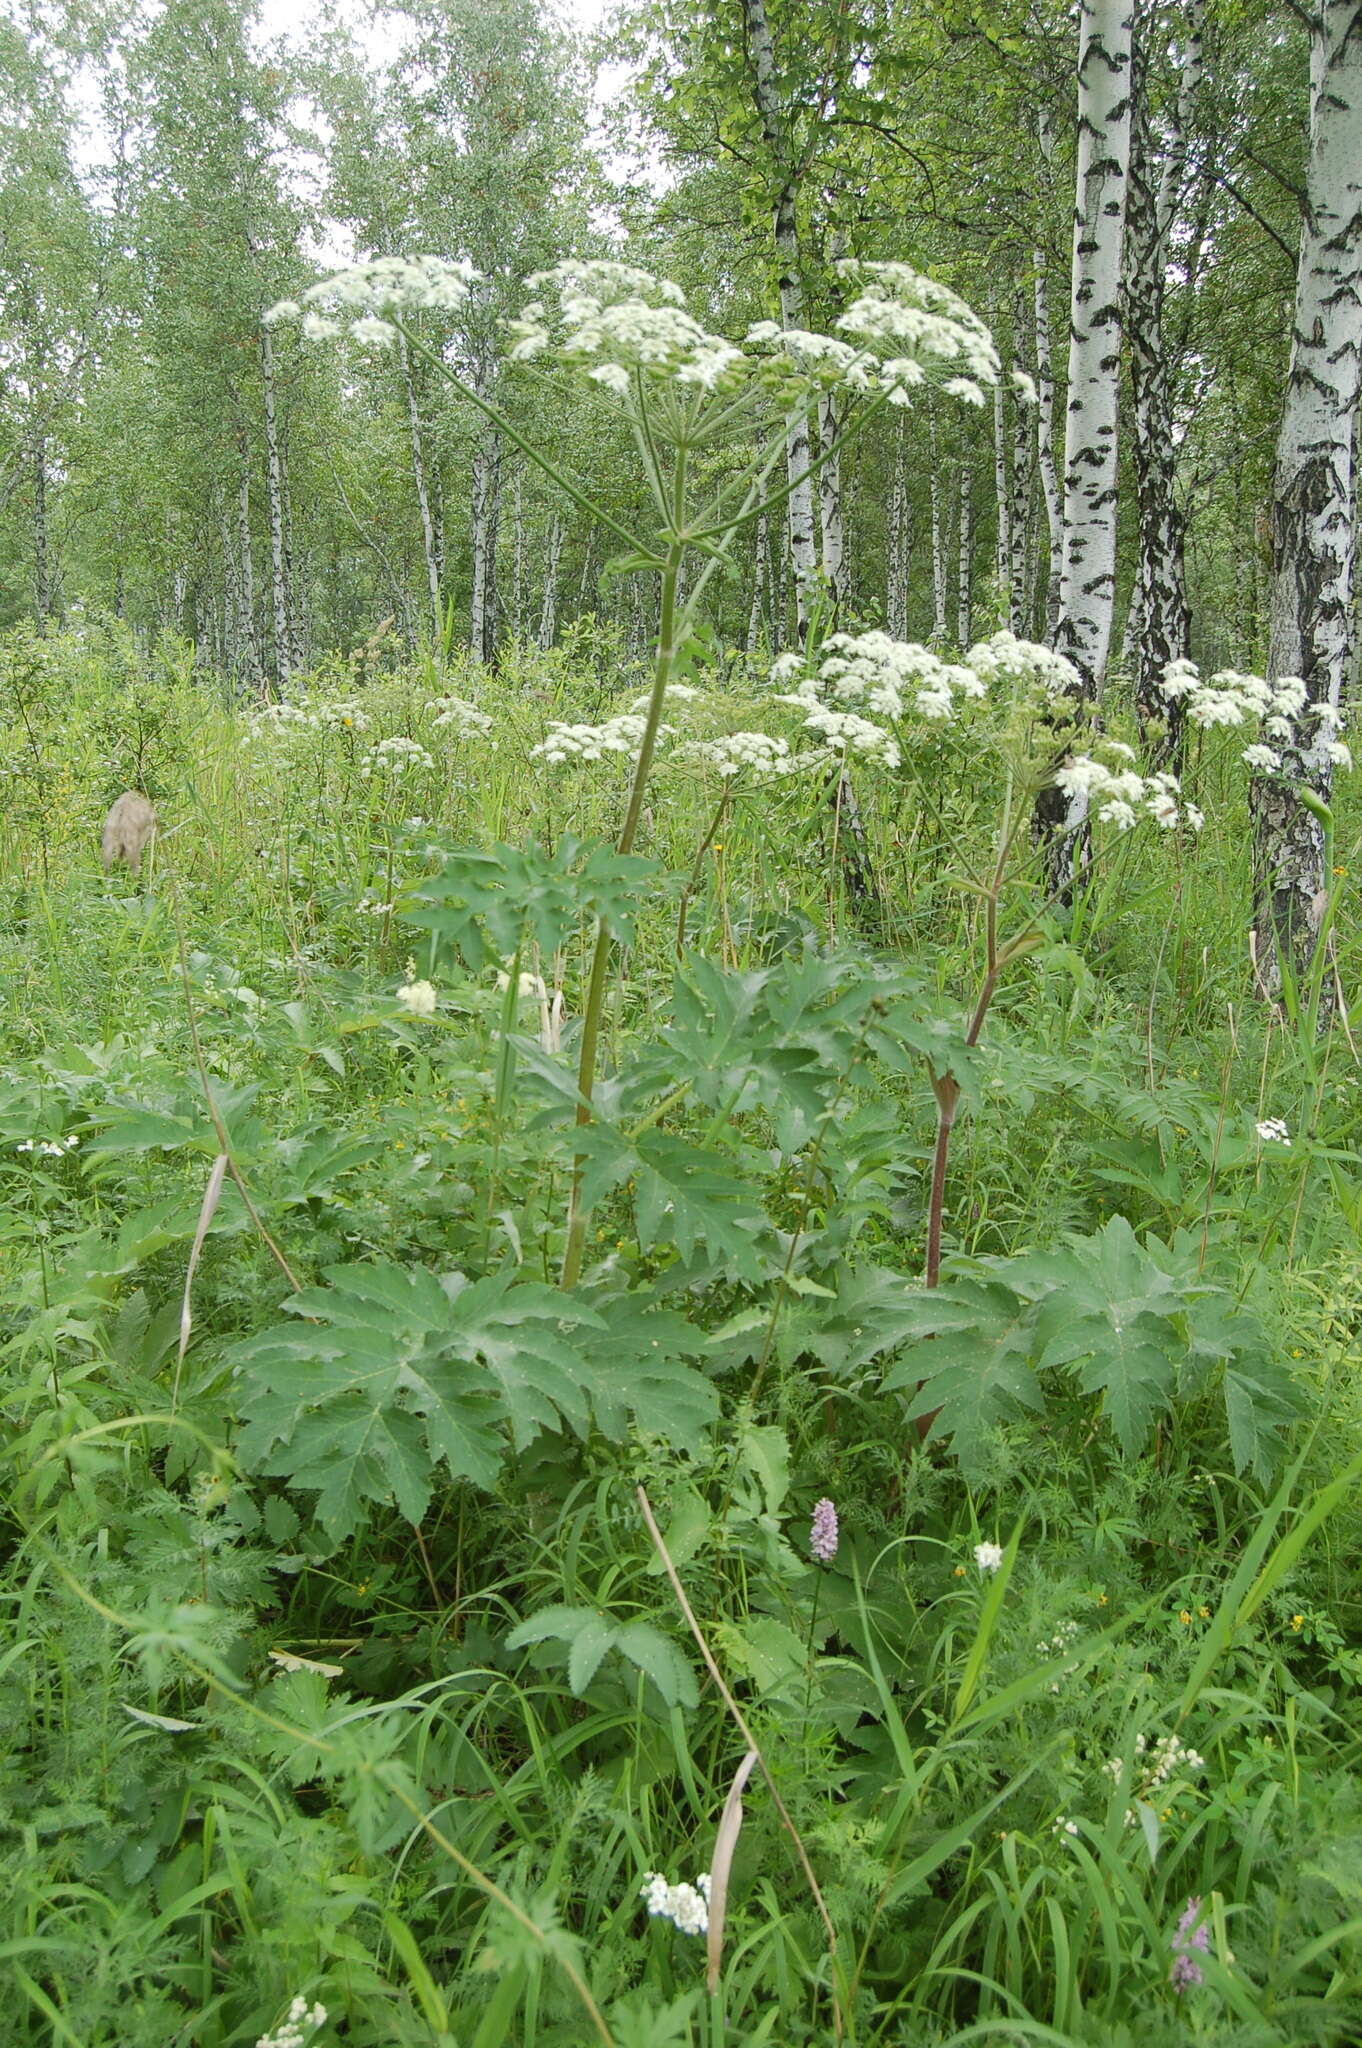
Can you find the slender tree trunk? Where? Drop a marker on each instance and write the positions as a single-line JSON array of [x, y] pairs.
[[486, 520], [1313, 501], [429, 548], [548, 609], [1019, 510], [1159, 608], [1087, 584], [899, 536], [760, 573], [938, 548], [518, 557], [1002, 492], [250, 664], [1045, 446], [766, 95], [42, 561], [274, 486], [964, 608], [831, 510]]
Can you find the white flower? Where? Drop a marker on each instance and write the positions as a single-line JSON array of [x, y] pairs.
[[418, 997], [1273, 1131], [316, 327], [373, 331], [988, 1556], [614, 376], [1261, 758], [394, 757], [964, 387], [468, 722], [293, 2031], [618, 735], [685, 1905], [286, 309], [1024, 386], [1338, 753], [737, 753]]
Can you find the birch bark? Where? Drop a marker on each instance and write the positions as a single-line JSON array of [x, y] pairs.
[[418, 470], [766, 96], [1087, 573], [1160, 621], [274, 491], [1314, 498]]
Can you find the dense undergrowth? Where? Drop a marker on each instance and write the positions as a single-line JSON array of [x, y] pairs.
[[339, 1662]]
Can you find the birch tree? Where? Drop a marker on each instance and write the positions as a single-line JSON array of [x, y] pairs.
[[1087, 575], [1159, 607], [1314, 499]]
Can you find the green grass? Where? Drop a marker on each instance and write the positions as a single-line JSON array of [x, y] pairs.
[[438, 1836]]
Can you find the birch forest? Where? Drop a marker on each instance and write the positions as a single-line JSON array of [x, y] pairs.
[[680, 1096]]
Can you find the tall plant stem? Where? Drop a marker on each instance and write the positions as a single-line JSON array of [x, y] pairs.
[[600, 958]]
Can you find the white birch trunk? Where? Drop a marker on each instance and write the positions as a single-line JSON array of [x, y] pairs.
[[964, 609], [274, 488], [429, 546], [760, 572], [938, 550], [1045, 445], [1087, 573], [1002, 554], [900, 512], [548, 610], [1088, 558], [482, 627], [766, 94], [1159, 623], [830, 508], [1314, 496], [250, 665], [42, 561]]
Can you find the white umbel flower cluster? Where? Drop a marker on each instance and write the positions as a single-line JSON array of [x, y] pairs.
[[273, 721], [302, 2021], [1003, 658], [358, 297], [881, 675], [756, 754], [395, 756], [1119, 795], [1229, 698], [613, 319], [618, 735], [685, 1905], [467, 721]]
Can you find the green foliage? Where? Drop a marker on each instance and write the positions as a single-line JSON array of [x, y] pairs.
[[1139, 1324]]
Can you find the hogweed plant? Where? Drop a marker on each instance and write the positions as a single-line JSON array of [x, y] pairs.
[[682, 390]]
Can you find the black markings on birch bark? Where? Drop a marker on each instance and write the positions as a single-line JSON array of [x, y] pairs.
[[1314, 497]]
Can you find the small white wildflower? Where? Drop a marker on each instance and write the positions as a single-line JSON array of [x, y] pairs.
[[685, 1905], [418, 997], [286, 309], [988, 1556], [316, 327], [1024, 386], [301, 2021], [1273, 1131], [1261, 758]]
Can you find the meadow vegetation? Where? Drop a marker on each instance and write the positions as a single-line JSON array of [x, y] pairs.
[[355, 1572]]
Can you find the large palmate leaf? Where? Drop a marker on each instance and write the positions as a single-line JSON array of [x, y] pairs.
[[387, 1374], [975, 1373], [1107, 1305], [486, 903]]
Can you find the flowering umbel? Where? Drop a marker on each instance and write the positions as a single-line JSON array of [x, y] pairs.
[[823, 1533], [685, 1905]]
